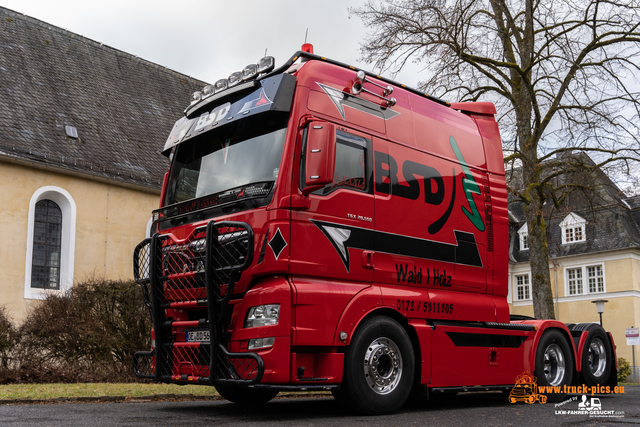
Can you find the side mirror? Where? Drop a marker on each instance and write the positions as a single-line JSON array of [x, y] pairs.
[[320, 156]]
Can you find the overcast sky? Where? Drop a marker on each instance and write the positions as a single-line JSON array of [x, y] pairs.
[[210, 39]]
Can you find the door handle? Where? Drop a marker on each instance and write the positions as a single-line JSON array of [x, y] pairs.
[[367, 259]]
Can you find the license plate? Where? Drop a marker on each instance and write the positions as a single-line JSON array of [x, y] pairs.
[[198, 336]]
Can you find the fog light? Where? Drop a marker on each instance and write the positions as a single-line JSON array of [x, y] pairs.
[[260, 343]]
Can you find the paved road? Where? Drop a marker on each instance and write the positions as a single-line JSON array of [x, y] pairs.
[[469, 409]]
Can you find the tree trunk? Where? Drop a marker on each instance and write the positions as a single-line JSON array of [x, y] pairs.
[[539, 251], [533, 212]]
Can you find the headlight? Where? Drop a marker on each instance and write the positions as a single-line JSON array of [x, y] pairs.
[[262, 315]]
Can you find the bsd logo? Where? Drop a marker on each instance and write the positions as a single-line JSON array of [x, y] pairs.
[[434, 188], [214, 116]]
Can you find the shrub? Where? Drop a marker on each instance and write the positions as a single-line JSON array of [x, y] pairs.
[[87, 334], [624, 369], [7, 339]]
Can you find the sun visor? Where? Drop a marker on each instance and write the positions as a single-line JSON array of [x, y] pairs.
[[274, 94]]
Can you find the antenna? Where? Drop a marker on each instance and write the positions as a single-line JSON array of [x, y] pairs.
[[265, 51], [305, 35]]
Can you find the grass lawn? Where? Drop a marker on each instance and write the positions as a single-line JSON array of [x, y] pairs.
[[50, 391]]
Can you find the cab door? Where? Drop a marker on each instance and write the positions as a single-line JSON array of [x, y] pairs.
[[329, 236], [332, 237]]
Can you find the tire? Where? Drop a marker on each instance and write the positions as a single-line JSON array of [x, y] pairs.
[[245, 395], [597, 355], [554, 363], [379, 368]]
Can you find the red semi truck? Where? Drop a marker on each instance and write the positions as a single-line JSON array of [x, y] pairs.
[[323, 228]]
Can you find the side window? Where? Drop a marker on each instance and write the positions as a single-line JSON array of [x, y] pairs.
[[50, 242], [353, 164], [47, 237]]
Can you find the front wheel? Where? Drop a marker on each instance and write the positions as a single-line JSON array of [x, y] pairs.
[[379, 367], [554, 365], [245, 395]]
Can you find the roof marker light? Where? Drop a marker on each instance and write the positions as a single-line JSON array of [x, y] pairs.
[[220, 85], [266, 64], [249, 72], [235, 78], [196, 97], [207, 91]]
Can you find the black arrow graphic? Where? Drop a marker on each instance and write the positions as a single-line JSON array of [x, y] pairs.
[[343, 237]]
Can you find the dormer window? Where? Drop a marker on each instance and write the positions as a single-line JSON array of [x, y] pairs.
[[523, 235], [573, 229]]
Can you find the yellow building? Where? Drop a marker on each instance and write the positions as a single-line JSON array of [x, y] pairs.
[[594, 250], [81, 126]]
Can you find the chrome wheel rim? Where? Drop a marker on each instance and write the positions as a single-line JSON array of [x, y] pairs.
[[597, 358], [383, 366], [554, 365]]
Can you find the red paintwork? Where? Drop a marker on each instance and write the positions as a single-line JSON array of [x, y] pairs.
[[581, 343], [320, 298], [475, 107], [326, 365], [543, 325], [423, 360], [471, 366]]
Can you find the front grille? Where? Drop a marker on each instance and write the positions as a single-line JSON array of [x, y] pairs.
[[194, 275]]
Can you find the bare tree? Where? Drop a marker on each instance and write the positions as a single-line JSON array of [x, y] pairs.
[[561, 73]]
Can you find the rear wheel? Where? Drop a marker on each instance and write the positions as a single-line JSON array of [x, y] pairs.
[[554, 364], [244, 395], [597, 355], [379, 367]]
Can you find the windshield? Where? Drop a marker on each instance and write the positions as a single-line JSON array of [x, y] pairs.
[[240, 153]]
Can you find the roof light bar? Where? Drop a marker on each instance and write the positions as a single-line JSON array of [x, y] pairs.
[[248, 73]]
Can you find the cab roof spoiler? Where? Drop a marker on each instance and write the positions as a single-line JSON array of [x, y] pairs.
[[486, 108]]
